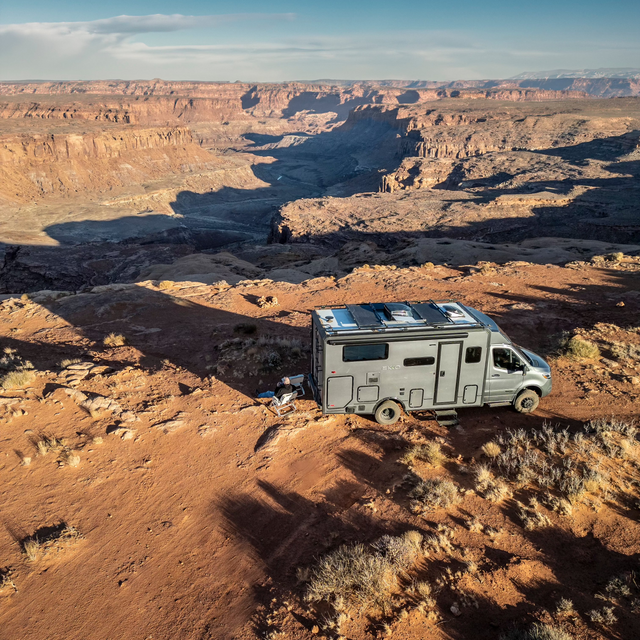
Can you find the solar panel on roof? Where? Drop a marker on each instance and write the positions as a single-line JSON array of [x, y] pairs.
[[365, 316], [430, 313]]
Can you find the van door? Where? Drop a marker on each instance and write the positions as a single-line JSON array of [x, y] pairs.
[[339, 391], [448, 372], [506, 374]]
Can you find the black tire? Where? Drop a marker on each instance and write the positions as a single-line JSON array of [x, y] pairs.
[[387, 413], [527, 401]]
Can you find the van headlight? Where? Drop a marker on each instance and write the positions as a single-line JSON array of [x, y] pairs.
[[547, 376]]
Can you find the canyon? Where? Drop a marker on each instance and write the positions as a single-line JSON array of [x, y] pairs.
[[162, 247], [154, 172]]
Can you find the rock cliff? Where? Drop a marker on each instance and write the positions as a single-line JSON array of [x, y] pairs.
[[35, 166]]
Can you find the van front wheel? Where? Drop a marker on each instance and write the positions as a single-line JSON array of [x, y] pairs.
[[527, 401], [387, 413]]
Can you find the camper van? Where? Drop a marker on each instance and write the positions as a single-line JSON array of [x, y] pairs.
[[377, 359]]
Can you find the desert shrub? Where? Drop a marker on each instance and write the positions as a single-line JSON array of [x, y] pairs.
[[532, 518], [564, 606], [474, 524], [68, 362], [421, 591], [435, 493], [363, 577], [165, 284], [70, 458], [49, 443], [401, 551], [603, 616], [497, 490], [600, 426], [11, 361], [18, 379], [114, 340], [617, 587], [430, 452], [594, 480], [623, 351], [49, 539], [491, 450], [6, 581], [483, 476], [580, 349], [537, 632]]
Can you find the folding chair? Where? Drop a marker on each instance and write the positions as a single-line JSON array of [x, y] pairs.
[[297, 382], [287, 401]]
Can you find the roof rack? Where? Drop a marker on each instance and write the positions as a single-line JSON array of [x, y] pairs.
[[393, 316]]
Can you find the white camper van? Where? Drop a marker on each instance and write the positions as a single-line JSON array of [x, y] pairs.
[[437, 355]]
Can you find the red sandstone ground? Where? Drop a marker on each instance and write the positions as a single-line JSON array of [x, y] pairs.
[[195, 528]]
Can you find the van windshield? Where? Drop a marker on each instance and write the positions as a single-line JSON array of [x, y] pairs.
[[522, 352]]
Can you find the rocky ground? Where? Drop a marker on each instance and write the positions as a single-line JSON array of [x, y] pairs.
[[147, 493]]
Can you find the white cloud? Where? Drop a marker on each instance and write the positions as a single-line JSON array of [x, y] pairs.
[[116, 48]]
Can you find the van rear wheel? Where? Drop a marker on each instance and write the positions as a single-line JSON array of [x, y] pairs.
[[387, 413], [527, 401]]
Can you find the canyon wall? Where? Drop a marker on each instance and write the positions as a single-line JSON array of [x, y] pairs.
[[149, 103], [35, 166]]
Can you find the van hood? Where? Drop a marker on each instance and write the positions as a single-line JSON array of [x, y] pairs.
[[537, 361]]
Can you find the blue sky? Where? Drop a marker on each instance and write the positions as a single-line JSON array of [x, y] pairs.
[[283, 40]]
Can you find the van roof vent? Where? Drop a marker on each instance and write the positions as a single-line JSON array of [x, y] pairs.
[[398, 312]]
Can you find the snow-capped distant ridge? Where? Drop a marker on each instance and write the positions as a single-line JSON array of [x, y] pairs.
[[555, 74]]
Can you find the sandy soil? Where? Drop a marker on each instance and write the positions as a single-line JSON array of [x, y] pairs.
[[195, 505]]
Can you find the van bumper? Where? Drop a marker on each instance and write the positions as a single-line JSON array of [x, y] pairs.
[[546, 388]]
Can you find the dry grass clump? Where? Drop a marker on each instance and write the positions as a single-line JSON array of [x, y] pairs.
[[49, 443], [563, 467], [67, 362], [434, 493], [531, 517], [564, 607], [581, 349], [491, 450], [6, 582], [537, 632], [11, 361], [625, 351], [430, 452], [364, 578], [604, 616], [18, 379], [49, 540], [474, 525], [70, 458], [114, 340], [165, 284], [493, 489], [20, 372]]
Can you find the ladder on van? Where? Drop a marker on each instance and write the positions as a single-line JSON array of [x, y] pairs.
[[447, 418]]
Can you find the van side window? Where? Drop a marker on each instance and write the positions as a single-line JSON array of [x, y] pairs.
[[360, 352], [507, 359], [419, 362], [473, 355]]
